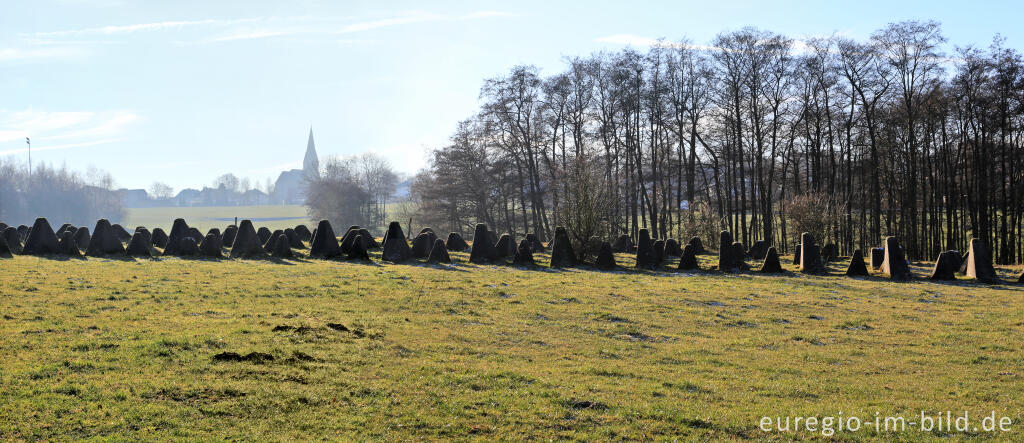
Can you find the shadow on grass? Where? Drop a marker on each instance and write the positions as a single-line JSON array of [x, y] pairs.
[[1001, 285], [358, 261], [54, 257], [834, 269], [450, 267]]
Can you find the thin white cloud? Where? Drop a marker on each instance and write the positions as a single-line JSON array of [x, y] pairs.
[[62, 125], [156, 26], [420, 17], [394, 21], [46, 147], [50, 130], [41, 53], [114, 123], [23, 124], [329, 26], [66, 44], [230, 30], [250, 35], [488, 14]]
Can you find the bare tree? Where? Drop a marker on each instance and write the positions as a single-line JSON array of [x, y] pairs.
[[337, 195], [585, 202], [227, 181], [379, 180], [161, 190], [911, 48], [732, 134]]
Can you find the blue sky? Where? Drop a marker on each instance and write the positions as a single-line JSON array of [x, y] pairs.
[[183, 91]]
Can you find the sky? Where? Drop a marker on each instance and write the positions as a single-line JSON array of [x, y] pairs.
[[183, 91]]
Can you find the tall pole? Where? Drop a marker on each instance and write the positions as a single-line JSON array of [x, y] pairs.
[[29, 143]]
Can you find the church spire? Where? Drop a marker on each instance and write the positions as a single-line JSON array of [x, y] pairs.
[[311, 164]]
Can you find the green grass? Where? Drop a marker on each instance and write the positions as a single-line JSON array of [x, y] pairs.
[[206, 217], [125, 350]]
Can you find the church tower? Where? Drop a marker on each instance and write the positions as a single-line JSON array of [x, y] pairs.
[[311, 164]]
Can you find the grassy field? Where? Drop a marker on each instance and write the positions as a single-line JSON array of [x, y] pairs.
[[206, 217], [126, 349]]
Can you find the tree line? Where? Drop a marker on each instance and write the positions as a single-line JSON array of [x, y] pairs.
[[352, 190], [57, 194], [755, 132]]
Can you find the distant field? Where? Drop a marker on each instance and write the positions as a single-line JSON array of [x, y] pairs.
[[123, 349], [206, 217]]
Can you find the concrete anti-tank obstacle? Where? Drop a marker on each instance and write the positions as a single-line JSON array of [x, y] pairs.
[[771, 263], [857, 267], [358, 249], [324, 244], [946, 266], [304, 233], [105, 240], [179, 230], [5, 250], [41, 239], [895, 265], [645, 256], [688, 261], [247, 242], [877, 257], [672, 248], [605, 258], [810, 256], [140, 245], [456, 243], [524, 254], [562, 254], [159, 238], [395, 248], [482, 251], [211, 246], [979, 263], [730, 254], [438, 252], [68, 246], [281, 248], [698, 245], [12, 239]]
